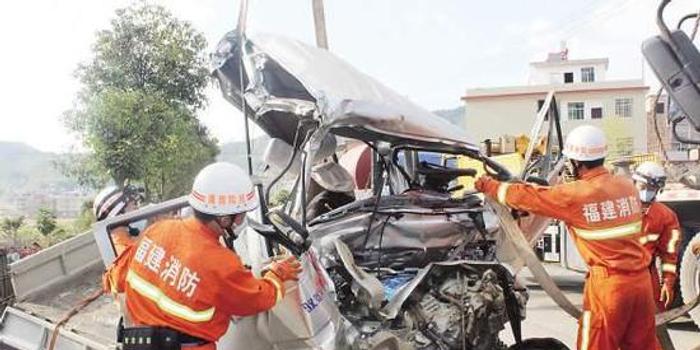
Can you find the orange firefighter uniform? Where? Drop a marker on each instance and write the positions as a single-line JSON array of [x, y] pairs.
[[179, 276], [121, 239], [603, 214], [662, 239]]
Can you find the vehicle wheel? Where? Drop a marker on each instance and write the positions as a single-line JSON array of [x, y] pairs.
[[540, 344], [690, 278]]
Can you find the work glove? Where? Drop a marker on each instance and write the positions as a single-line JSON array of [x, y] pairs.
[[667, 292], [487, 185], [287, 269]]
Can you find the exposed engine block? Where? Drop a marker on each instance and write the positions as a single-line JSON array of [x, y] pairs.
[[459, 311], [434, 259], [454, 307]]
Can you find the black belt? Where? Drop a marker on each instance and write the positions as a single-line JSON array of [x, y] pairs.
[[156, 338], [186, 339]]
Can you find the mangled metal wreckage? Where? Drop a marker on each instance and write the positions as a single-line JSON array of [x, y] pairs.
[[412, 266]]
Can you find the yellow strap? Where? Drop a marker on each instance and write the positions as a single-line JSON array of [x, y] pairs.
[[279, 290], [502, 191], [652, 237], [610, 233], [167, 305], [112, 283], [670, 268], [585, 329], [675, 236]]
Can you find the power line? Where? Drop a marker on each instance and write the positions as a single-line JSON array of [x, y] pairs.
[[601, 17]]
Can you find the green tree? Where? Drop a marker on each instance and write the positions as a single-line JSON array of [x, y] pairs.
[[56, 236], [136, 112], [45, 221], [83, 168], [28, 234], [10, 227], [85, 220]]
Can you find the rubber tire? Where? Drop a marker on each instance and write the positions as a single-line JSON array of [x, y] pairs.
[[690, 278]]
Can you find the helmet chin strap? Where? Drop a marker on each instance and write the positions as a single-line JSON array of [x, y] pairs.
[[572, 167], [227, 232]]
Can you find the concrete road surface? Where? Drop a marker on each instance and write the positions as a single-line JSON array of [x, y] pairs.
[[545, 319]]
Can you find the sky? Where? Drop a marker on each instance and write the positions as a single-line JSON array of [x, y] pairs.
[[429, 51]]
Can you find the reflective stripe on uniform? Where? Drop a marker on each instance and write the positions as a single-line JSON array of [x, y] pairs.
[[278, 287], [609, 233], [501, 194], [585, 329], [652, 237], [675, 236], [670, 268], [164, 303]]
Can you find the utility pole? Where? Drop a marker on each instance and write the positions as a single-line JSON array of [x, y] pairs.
[[320, 24]]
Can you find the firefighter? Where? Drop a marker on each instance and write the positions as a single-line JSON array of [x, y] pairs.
[[604, 216], [182, 285], [662, 231], [113, 201]]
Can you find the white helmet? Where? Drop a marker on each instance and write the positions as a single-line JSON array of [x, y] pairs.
[[112, 201], [109, 203], [585, 143], [222, 189], [650, 173]]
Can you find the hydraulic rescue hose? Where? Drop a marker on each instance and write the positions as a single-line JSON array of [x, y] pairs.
[[522, 247], [524, 250], [72, 312]]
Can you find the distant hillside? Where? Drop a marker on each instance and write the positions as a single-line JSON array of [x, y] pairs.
[[24, 168], [454, 115]]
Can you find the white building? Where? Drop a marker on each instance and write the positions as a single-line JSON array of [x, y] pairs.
[[63, 204], [560, 70], [584, 97]]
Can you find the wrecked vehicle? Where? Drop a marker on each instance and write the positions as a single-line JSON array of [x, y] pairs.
[[412, 262], [408, 266]]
